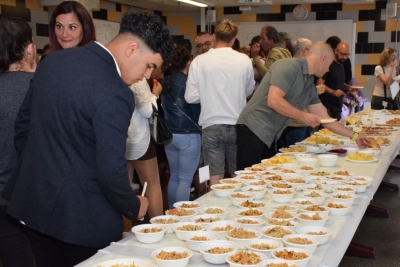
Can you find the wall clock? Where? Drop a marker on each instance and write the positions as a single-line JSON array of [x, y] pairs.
[[300, 12]]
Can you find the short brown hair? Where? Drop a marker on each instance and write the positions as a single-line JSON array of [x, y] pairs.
[[225, 30]]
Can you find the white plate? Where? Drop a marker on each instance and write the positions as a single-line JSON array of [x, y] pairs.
[[286, 154], [327, 120], [362, 161], [357, 86], [138, 262]]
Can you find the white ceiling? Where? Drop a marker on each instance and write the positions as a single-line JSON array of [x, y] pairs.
[[175, 6]]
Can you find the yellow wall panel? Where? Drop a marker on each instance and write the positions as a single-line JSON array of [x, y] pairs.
[[8, 2], [33, 4], [181, 21], [219, 10], [101, 4], [124, 8], [359, 26], [358, 7], [246, 18], [373, 59], [275, 9], [113, 15], [391, 25]]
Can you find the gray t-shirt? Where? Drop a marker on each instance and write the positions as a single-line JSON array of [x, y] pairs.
[[291, 75], [14, 85]]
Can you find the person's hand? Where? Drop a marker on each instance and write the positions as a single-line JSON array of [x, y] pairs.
[[394, 64], [320, 89], [311, 119], [362, 141], [157, 88], [338, 93], [255, 50], [144, 205]]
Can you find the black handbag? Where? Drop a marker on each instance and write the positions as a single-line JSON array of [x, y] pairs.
[[391, 103], [158, 129]]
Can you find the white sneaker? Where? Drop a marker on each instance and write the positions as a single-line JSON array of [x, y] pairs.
[[135, 186]]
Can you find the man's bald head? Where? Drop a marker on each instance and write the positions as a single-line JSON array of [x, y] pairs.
[[319, 58], [342, 52]]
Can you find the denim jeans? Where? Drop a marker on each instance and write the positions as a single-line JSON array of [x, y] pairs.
[[183, 155]]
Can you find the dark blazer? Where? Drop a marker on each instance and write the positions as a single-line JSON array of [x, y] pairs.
[[71, 181]]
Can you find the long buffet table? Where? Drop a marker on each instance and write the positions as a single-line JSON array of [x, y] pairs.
[[327, 255]]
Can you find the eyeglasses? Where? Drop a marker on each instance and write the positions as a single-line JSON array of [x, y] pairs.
[[343, 54], [199, 46]]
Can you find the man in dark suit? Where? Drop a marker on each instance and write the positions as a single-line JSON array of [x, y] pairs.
[[70, 187]]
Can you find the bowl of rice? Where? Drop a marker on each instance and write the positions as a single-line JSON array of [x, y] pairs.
[[181, 212], [215, 251], [195, 239], [276, 263], [320, 232], [245, 258], [293, 255], [282, 195], [338, 208], [189, 205], [239, 197], [312, 218], [264, 246], [221, 227], [149, 233], [172, 256], [167, 221], [250, 213], [301, 241], [275, 232], [240, 236], [183, 228], [215, 210], [232, 181], [250, 223], [223, 190]]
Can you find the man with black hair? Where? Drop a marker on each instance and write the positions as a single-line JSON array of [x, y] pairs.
[[204, 42], [70, 186]]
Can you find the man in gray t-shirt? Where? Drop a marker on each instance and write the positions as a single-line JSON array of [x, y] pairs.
[[286, 90]]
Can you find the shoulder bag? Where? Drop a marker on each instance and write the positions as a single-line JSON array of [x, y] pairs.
[[391, 103], [158, 129]]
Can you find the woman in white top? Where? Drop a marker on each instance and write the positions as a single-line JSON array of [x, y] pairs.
[[384, 74], [140, 147]]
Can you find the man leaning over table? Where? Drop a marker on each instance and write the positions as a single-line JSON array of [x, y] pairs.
[[286, 90], [70, 185]]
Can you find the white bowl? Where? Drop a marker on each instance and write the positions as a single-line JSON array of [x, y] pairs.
[[267, 245], [249, 177], [169, 263], [222, 224], [258, 190], [220, 192], [343, 189], [241, 241], [206, 218], [288, 223], [314, 187], [250, 213], [215, 210], [148, 238], [359, 185], [316, 229], [307, 161], [237, 200], [351, 150], [231, 263], [296, 182], [309, 208], [311, 148], [300, 263], [305, 222], [327, 160], [194, 227], [232, 181], [253, 204], [273, 177], [162, 219], [282, 198], [347, 201], [216, 258], [301, 201], [193, 244], [261, 182], [194, 205], [362, 178], [280, 185], [310, 247], [376, 151], [319, 199], [276, 261], [369, 152], [286, 207], [266, 230], [325, 147], [250, 223], [277, 215], [338, 211], [176, 212], [126, 262]]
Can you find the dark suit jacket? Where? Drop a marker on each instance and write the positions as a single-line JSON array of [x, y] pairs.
[[71, 181]]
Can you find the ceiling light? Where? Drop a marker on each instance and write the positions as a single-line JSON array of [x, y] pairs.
[[195, 3]]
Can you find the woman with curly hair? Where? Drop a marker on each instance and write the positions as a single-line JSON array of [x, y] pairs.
[[384, 74]]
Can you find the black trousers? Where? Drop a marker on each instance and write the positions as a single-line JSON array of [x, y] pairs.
[[250, 149], [15, 248], [50, 252]]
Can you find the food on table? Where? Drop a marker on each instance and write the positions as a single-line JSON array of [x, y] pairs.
[[360, 157], [284, 207], [336, 178], [248, 172], [393, 121], [189, 227], [352, 119], [316, 187], [394, 111], [280, 222], [165, 221], [377, 128], [219, 250], [321, 173], [317, 233], [346, 173], [315, 208], [382, 140], [283, 264], [283, 192], [325, 131], [261, 182], [299, 240], [207, 220], [263, 246], [277, 232], [247, 221], [180, 212], [225, 187], [245, 258], [296, 180], [279, 160], [214, 211], [222, 229], [249, 204], [173, 255], [294, 149], [230, 181], [189, 205], [306, 168], [248, 177], [287, 155], [344, 188], [281, 185], [274, 178], [150, 230], [322, 140], [314, 217], [372, 143], [288, 171], [356, 183], [342, 196], [239, 195], [255, 169], [241, 233], [304, 202], [291, 255], [336, 205], [199, 238], [313, 194], [281, 214], [251, 212], [254, 190]]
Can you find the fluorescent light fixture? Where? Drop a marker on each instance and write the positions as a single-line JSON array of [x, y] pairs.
[[195, 3], [319, 1]]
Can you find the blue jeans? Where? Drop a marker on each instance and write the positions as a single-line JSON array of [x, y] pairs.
[[183, 155]]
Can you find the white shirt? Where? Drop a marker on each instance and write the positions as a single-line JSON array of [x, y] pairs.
[[378, 90], [220, 80], [139, 131]]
